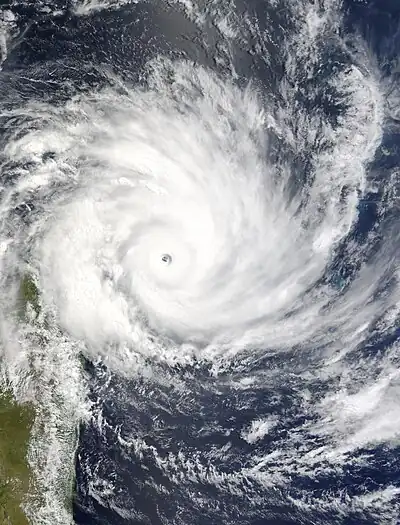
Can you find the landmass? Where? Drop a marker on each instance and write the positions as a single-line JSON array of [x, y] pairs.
[[16, 422], [15, 426]]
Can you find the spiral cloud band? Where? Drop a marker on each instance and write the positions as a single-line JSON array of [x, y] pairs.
[[180, 170]]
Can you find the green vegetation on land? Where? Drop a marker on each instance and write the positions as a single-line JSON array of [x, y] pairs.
[[29, 296], [15, 427], [16, 422]]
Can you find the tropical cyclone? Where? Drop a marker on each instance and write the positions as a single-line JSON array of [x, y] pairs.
[[179, 169], [195, 218]]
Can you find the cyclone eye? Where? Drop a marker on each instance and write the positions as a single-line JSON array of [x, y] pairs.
[[166, 259]]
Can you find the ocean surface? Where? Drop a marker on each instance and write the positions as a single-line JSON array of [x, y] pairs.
[[206, 196]]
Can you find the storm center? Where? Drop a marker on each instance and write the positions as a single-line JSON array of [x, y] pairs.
[[166, 259]]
